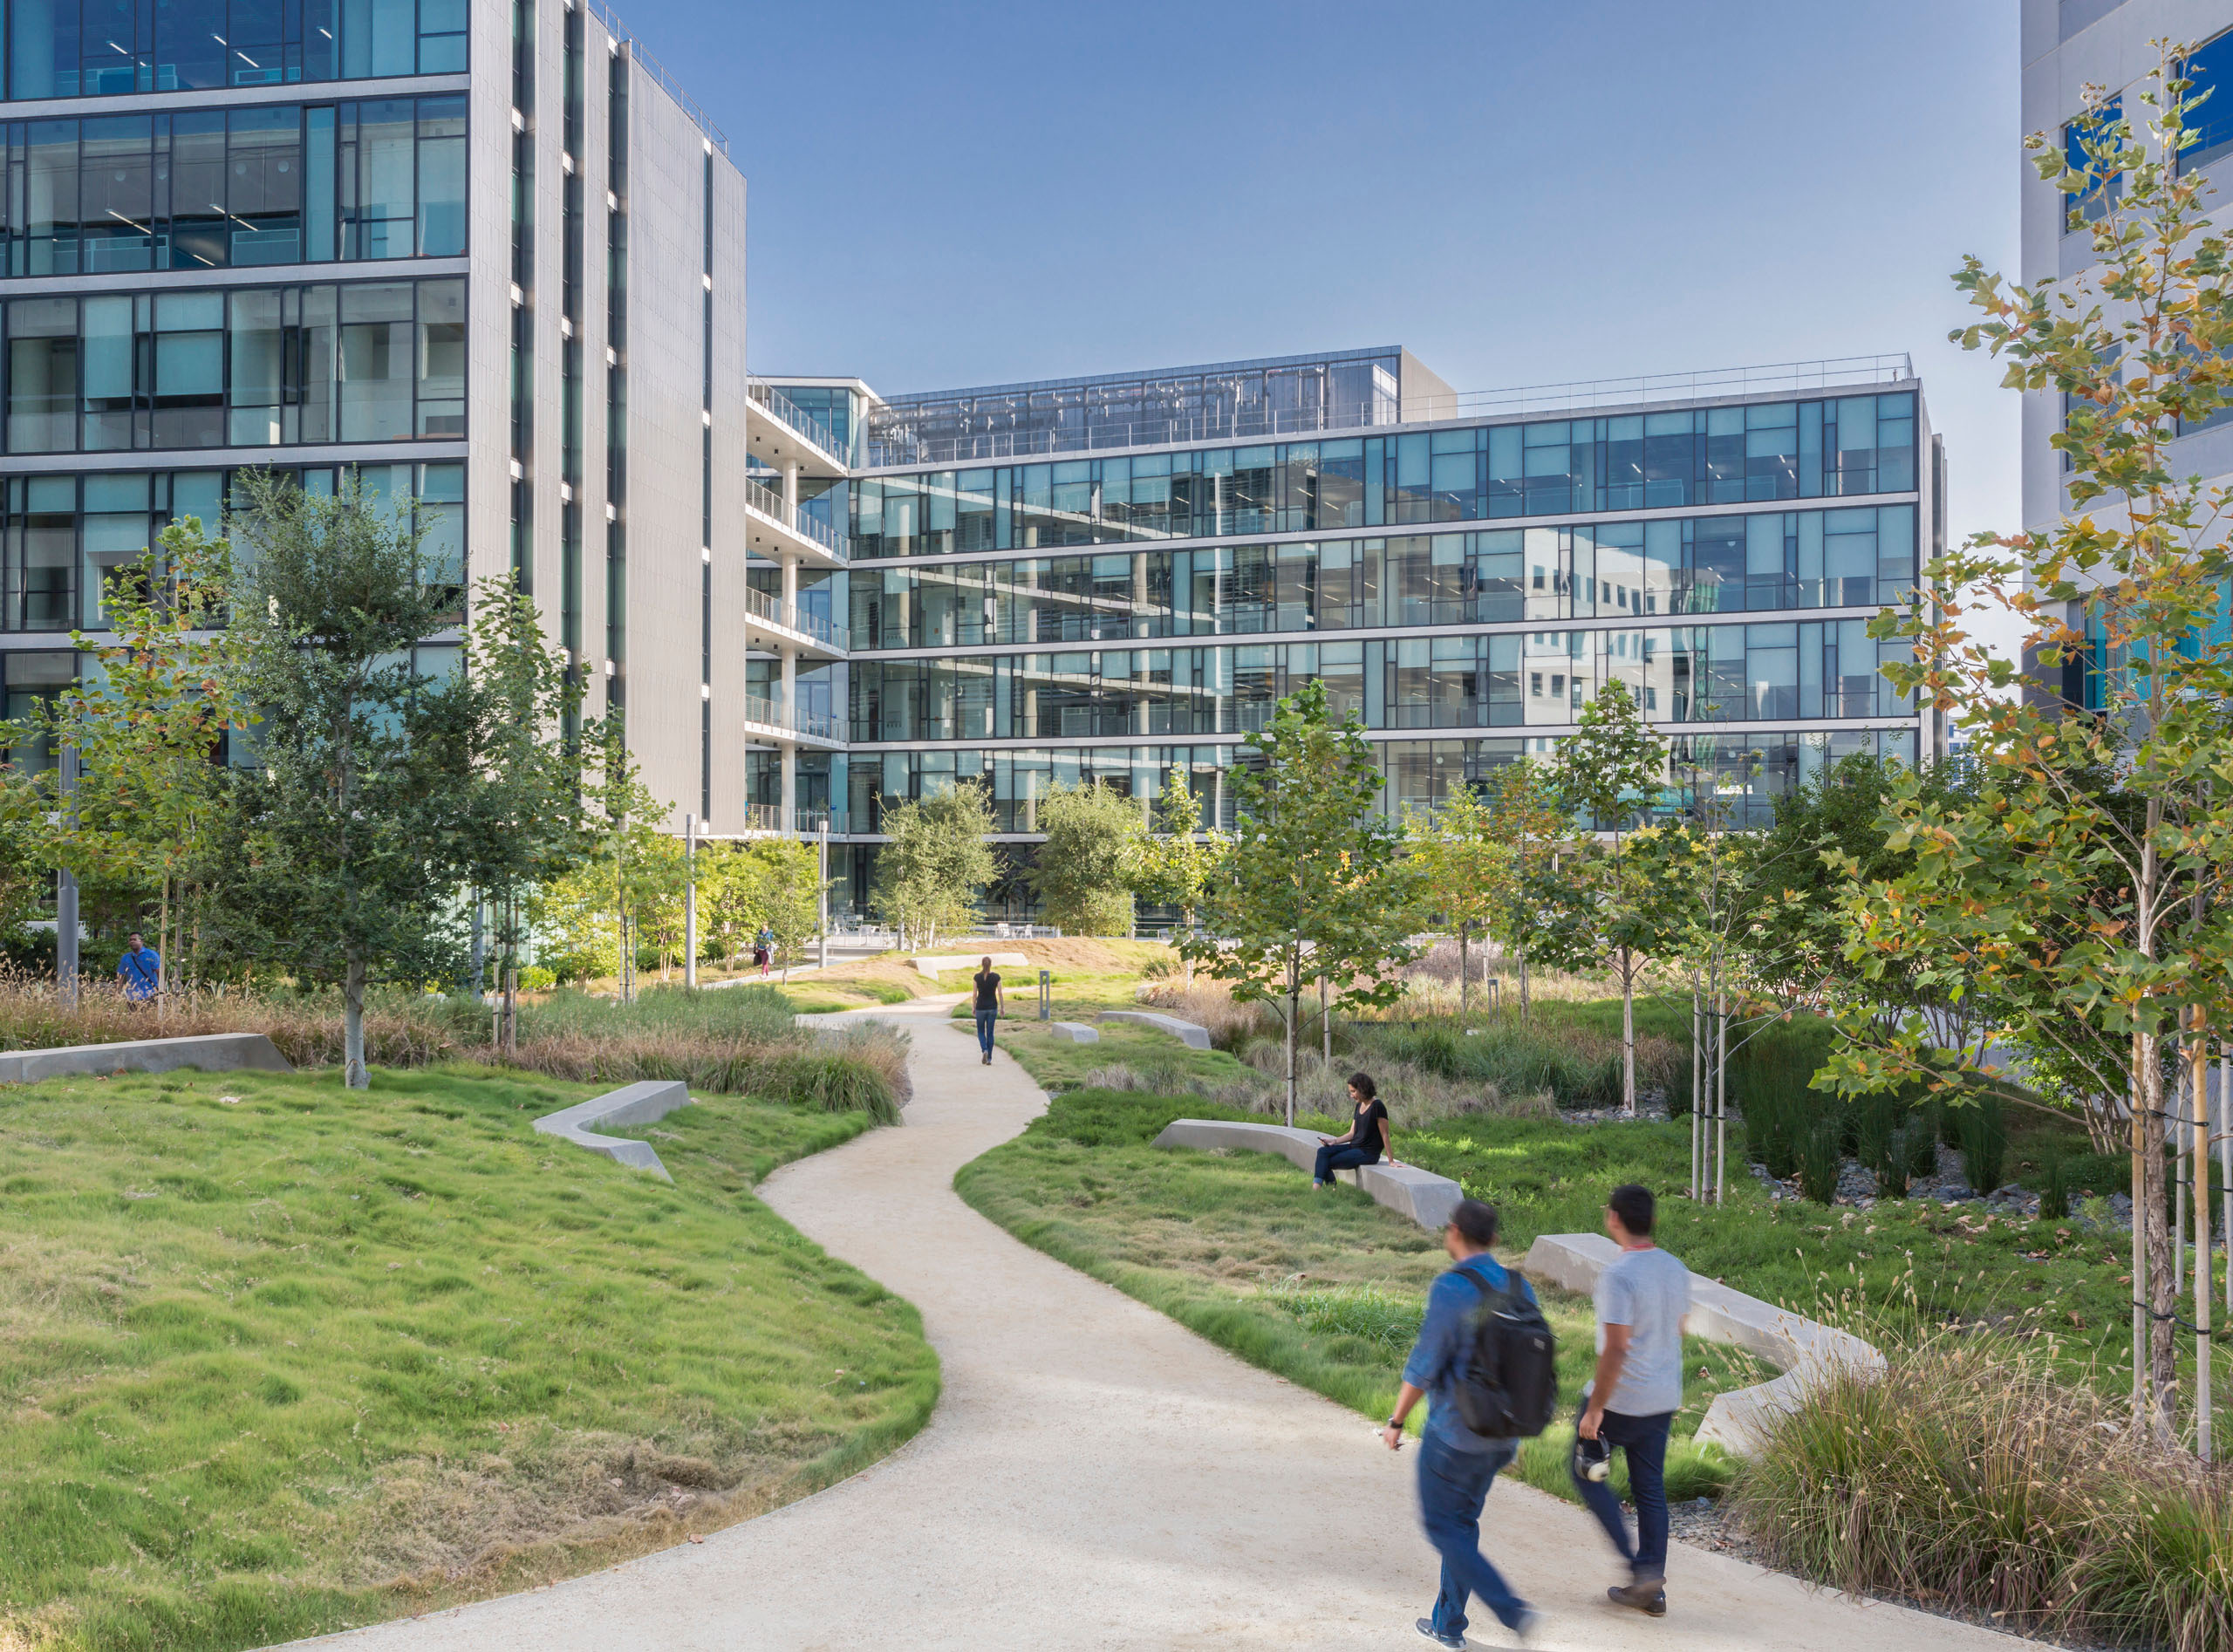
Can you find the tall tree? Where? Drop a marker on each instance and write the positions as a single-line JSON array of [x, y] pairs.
[[1611, 769], [790, 892], [1522, 800], [1316, 888], [1083, 873], [1175, 864], [503, 729], [344, 844], [2083, 908], [1463, 863], [933, 869], [147, 722]]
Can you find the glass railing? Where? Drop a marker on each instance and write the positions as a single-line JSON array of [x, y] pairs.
[[774, 713], [804, 823], [797, 417], [765, 499], [771, 610]]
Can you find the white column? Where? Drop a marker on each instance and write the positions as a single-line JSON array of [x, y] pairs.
[[790, 751], [789, 615], [791, 492]]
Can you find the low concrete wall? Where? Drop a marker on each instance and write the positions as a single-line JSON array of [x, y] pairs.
[[210, 1052], [1077, 1032], [1425, 1198], [1807, 1351], [1187, 1032], [636, 1105]]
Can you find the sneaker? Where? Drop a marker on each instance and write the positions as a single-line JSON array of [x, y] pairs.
[[1529, 1626], [1426, 1626], [1648, 1597]]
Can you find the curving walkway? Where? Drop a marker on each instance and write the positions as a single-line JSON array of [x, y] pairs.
[[1094, 1476]]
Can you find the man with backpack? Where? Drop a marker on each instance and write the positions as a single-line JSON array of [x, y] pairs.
[[1485, 1360], [1641, 1298]]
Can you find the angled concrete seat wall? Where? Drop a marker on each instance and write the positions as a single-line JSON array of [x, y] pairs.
[[1190, 1033], [1807, 1350], [209, 1052], [1425, 1198], [638, 1103]]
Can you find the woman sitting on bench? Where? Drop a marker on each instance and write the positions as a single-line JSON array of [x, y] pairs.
[[1366, 1140]]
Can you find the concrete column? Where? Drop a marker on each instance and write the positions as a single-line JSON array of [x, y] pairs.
[[791, 492], [790, 751], [789, 615]]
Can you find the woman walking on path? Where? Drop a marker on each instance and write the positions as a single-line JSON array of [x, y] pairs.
[[988, 1006], [1367, 1142]]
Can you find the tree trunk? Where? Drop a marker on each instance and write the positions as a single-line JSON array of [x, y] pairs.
[[1325, 1022], [1628, 1031], [163, 949], [2198, 1145], [1295, 1011], [1464, 975], [512, 1007], [2154, 1291], [1523, 983], [352, 1024]]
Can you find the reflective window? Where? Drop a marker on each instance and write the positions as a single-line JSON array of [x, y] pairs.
[[2210, 67], [272, 366], [207, 189], [2091, 130], [98, 48], [1841, 447]]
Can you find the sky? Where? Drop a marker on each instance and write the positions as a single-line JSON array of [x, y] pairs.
[[950, 195]]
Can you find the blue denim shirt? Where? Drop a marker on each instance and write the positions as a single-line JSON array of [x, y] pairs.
[[1439, 1358]]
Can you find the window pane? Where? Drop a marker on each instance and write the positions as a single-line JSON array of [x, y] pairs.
[[375, 362], [441, 177], [441, 358], [197, 191], [116, 193], [264, 181]]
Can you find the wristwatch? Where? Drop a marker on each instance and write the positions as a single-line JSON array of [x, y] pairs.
[[1395, 1422]]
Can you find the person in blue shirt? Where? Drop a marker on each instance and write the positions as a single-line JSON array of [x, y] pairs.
[[1456, 1467], [140, 969]]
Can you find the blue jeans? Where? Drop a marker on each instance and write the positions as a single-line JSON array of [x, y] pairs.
[[1340, 1156], [986, 1020], [1452, 1486], [1645, 1440]]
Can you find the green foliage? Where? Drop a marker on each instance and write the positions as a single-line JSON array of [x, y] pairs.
[[1819, 1152], [1083, 872], [934, 871], [1465, 864], [1983, 1128], [242, 1410], [1314, 889], [341, 859], [1175, 864]]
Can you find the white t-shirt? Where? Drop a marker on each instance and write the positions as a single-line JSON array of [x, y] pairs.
[[1648, 1291]]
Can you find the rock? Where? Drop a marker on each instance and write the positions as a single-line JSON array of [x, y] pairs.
[[2121, 1206]]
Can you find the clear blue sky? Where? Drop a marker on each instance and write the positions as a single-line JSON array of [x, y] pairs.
[[947, 195]]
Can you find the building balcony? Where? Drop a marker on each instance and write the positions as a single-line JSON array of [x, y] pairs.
[[770, 722], [778, 433], [769, 622], [775, 532], [768, 820]]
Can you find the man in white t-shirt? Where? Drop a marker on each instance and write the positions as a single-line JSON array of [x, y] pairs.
[[1631, 1401]]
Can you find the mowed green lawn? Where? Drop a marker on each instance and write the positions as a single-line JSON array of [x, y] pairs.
[[1326, 1288], [276, 1358]]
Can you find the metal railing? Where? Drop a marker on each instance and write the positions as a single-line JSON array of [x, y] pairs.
[[774, 713], [660, 77], [896, 446], [797, 417], [765, 499], [804, 823], [771, 610]]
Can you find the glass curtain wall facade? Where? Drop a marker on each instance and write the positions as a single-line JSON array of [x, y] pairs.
[[1464, 585]]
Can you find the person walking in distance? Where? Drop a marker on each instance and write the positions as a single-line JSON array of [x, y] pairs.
[[140, 969], [989, 1006], [1641, 1298], [1456, 1467]]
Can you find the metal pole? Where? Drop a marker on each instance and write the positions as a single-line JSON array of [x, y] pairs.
[[821, 873], [66, 894], [690, 901]]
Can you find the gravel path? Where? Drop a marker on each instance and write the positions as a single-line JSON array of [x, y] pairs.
[[1094, 1476]]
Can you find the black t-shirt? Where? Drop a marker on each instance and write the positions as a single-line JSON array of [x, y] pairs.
[[1367, 1133], [989, 988]]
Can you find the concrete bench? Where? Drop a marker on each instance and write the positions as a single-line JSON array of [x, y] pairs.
[[1425, 1198], [1077, 1032], [210, 1052], [634, 1104], [1805, 1352], [1190, 1034]]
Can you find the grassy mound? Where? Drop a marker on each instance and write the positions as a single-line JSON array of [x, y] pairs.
[[276, 1358]]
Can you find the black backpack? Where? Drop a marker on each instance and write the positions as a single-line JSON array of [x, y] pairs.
[[1510, 1388]]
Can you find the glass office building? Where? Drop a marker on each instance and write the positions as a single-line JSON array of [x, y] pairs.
[[1104, 578]]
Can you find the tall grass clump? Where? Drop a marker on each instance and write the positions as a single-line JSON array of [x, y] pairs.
[[1982, 1127], [1968, 1476], [1575, 1066]]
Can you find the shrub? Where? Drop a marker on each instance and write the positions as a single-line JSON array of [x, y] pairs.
[[2054, 1193], [1983, 1132], [1821, 1154], [1968, 1478]]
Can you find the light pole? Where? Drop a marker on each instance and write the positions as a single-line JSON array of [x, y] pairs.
[[690, 903], [822, 883]]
